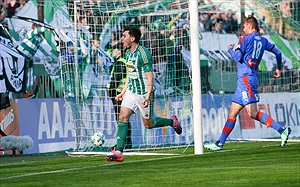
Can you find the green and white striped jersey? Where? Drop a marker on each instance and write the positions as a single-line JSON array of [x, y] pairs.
[[138, 62], [31, 42]]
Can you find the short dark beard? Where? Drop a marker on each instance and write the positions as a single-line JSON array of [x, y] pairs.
[[128, 47]]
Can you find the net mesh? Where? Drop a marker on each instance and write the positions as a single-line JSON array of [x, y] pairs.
[[165, 32], [87, 92]]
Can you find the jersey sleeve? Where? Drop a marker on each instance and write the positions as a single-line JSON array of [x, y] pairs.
[[269, 46], [147, 60], [235, 55], [238, 47], [241, 44], [273, 49]]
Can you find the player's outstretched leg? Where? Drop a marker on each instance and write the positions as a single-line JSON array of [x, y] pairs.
[[215, 146], [176, 125], [117, 156], [285, 136]]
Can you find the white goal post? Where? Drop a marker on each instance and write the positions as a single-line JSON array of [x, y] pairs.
[[196, 79]]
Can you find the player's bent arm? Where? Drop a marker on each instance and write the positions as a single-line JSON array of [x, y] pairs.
[[278, 55], [236, 56], [276, 73], [120, 96], [150, 78], [125, 87]]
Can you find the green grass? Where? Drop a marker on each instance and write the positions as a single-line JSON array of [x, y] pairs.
[[240, 164]]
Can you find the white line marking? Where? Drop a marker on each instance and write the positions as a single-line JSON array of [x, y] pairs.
[[85, 167], [115, 163]]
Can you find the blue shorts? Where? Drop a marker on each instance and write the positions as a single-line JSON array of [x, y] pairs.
[[246, 90]]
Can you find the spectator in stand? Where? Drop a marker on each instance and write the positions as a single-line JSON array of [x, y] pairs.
[[180, 4], [202, 20], [235, 25], [69, 53], [295, 85], [83, 24], [218, 17], [22, 4], [11, 8], [174, 21], [183, 20], [261, 24], [28, 48], [261, 30], [209, 2], [138, 21], [177, 41], [228, 22], [3, 12], [68, 65], [211, 20], [95, 58], [262, 20], [219, 28], [31, 42], [144, 38]]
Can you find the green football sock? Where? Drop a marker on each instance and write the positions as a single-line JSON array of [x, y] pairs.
[[161, 122], [121, 135]]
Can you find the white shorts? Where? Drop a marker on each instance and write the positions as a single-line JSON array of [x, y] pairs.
[[134, 101]]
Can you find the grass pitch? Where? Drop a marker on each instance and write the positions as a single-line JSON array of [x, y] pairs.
[[239, 164]]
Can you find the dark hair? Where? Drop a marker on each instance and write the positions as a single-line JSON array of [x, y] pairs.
[[253, 21], [95, 37], [80, 18], [135, 32]]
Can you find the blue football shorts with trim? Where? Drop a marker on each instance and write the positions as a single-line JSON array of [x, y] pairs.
[[246, 90]]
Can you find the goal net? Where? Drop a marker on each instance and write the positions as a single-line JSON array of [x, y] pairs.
[[92, 35], [85, 81]]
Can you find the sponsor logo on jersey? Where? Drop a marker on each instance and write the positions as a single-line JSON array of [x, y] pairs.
[[252, 63], [130, 66]]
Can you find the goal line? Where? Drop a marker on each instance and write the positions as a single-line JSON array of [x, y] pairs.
[[78, 154], [263, 140]]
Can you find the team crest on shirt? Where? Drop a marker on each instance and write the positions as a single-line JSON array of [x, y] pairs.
[[130, 66], [132, 73]]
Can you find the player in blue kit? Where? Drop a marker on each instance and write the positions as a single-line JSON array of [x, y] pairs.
[[247, 55]]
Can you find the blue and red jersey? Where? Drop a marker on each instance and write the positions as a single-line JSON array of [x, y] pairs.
[[249, 52]]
